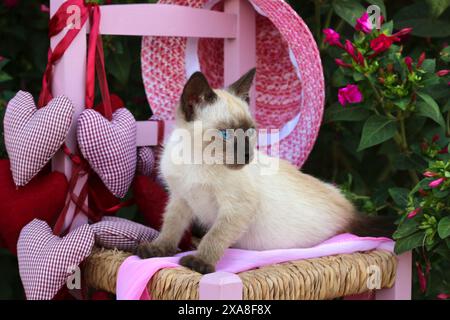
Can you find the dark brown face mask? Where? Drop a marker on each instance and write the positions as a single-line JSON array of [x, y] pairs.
[[238, 147]]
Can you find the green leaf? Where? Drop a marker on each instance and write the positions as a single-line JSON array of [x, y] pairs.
[[430, 109], [387, 27], [358, 76], [410, 242], [440, 194], [418, 17], [5, 77], [426, 27], [437, 91], [120, 66], [406, 228], [445, 54], [3, 62], [338, 79], [376, 130], [408, 162], [337, 112], [348, 10], [444, 227], [437, 7], [400, 196], [429, 65], [446, 108], [402, 103]]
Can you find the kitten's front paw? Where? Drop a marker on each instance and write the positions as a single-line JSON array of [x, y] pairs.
[[150, 250], [197, 264]]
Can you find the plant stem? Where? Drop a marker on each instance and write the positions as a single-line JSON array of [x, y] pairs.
[[328, 18], [403, 144], [376, 92], [403, 133], [317, 5], [340, 25], [448, 123], [320, 40]]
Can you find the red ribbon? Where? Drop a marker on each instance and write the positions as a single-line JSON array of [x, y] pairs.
[[57, 24], [95, 64]]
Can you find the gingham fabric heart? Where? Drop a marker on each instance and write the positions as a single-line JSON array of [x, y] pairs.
[[45, 260], [145, 161], [32, 136], [109, 147], [123, 234]]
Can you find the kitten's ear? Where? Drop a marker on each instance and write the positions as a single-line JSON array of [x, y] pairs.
[[196, 93], [241, 88]]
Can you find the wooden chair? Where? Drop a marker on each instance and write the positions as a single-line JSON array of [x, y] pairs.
[[236, 25]]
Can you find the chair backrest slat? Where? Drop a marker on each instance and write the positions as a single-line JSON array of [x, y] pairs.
[[166, 20]]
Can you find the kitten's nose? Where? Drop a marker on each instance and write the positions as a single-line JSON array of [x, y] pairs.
[[248, 155]]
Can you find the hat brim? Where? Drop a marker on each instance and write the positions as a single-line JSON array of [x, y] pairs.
[[289, 78]]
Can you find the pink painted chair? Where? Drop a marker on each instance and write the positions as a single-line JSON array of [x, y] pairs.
[[237, 26]]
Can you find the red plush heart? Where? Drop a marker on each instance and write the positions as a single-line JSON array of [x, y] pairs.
[[116, 103], [151, 200], [43, 198]]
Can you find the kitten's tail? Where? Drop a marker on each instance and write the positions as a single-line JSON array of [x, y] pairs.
[[372, 226]]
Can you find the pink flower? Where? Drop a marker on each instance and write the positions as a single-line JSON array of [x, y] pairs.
[[45, 8], [349, 94], [421, 59], [360, 58], [422, 278], [332, 37], [444, 150], [429, 174], [363, 24], [349, 48], [443, 296], [413, 213], [341, 63], [435, 138], [424, 146], [442, 73], [353, 52], [436, 183], [422, 192], [408, 62], [402, 32], [382, 43]]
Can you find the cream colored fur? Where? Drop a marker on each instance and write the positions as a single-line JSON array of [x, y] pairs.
[[244, 208]]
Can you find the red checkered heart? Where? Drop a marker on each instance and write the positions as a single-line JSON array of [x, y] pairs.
[[123, 234], [145, 161], [109, 147], [45, 260], [32, 136]]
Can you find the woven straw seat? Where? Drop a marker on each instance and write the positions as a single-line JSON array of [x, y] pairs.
[[312, 279]]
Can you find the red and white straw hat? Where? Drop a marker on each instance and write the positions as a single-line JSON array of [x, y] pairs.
[[289, 78]]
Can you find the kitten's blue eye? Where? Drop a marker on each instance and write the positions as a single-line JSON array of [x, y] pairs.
[[225, 134], [251, 132]]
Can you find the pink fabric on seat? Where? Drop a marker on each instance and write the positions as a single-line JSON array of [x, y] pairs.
[[135, 273]]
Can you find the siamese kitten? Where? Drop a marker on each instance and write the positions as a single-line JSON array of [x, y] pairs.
[[238, 205]]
